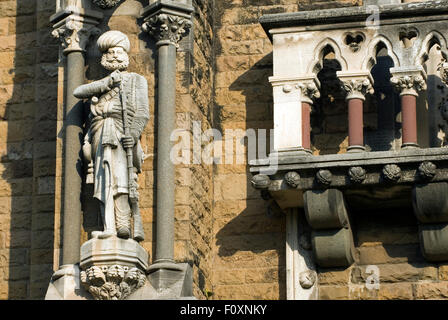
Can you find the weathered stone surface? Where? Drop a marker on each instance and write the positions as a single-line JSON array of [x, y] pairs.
[[402, 291], [334, 292], [434, 290], [397, 272], [330, 277]]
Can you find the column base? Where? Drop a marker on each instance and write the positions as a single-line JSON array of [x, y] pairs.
[[290, 152], [65, 285], [167, 281], [409, 145], [356, 148]]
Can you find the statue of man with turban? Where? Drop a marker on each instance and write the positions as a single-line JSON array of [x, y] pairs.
[[119, 112]]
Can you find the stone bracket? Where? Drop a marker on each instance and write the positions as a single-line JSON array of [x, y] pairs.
[[430, 205], [332, 238]]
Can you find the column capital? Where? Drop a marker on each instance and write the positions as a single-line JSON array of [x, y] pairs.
[[357, 85], [106, 4], [309, 89], [407, 81], [444, 72], [74, 32], [167, 21]]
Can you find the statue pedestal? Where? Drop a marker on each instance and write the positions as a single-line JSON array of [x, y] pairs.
[[117, 269]]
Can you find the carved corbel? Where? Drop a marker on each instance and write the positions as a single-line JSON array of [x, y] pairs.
[[431, 209], [74, 34], [332, 238]]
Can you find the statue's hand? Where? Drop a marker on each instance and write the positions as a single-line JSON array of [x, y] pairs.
[[115, 78], [128, 142]]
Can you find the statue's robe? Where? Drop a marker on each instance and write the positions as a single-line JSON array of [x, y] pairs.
[[106, 131]]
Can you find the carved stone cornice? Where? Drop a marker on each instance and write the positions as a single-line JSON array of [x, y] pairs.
[[166, 27], [408, 82], [357, 86], [74, 34]]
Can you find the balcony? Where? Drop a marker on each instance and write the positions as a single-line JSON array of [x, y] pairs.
[[390, 66]]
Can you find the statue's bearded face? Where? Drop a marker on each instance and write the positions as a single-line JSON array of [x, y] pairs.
[[115, 58]]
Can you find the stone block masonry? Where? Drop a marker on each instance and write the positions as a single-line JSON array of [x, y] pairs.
[[28, 89], [222, 226]]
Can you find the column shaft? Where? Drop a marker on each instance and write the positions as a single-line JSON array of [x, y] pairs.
[[73, 124], [306, 125], [166, 111], [355, 123], [409, 120]]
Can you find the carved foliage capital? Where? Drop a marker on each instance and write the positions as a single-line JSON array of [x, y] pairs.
[[357, 88], [409, 84], [167, 27], [113, 282], [74, 35], [443, 68], [106, 4], [309, 91]]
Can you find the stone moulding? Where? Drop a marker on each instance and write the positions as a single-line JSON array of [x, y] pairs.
[[329, 17]]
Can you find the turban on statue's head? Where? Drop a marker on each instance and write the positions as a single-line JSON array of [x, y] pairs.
[[112, 39]]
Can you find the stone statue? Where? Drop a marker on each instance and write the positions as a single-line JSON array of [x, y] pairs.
[[119, 112]]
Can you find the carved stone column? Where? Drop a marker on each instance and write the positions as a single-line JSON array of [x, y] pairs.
[[356, 86], [409, 83], [74, 32], [167, 22], [74, 27], [310, 92]]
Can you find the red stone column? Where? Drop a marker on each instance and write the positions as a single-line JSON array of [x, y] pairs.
[[355, 124], [409, 120], [306, 125], [310, 91], [409, 83], [356, 86]]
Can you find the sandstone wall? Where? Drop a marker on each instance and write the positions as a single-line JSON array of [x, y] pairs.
[[28, 114], [249, 252], [387, 242], [223, 229]]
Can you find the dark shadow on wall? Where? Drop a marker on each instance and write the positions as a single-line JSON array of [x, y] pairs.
[[29, 160], [255, 237]]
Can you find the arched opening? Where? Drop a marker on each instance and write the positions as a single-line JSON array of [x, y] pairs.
[[329, 115], [431, 105], [382, 118]]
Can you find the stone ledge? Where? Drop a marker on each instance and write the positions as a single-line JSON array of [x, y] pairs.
[[353, 169], [351, 14]]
